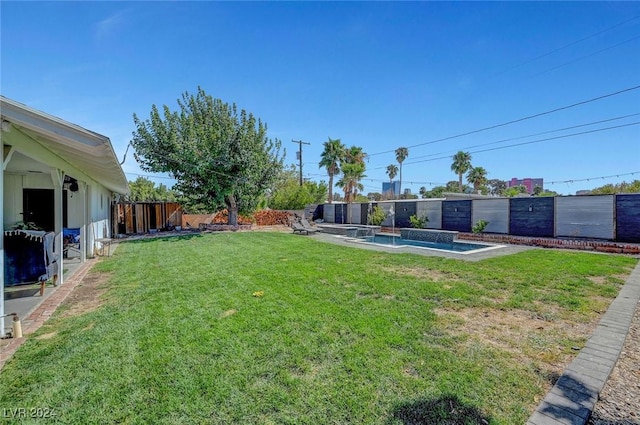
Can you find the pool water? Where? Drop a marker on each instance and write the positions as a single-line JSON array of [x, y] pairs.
[[397, 241]]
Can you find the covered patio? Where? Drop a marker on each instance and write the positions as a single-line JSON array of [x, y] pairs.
[[58, 182]]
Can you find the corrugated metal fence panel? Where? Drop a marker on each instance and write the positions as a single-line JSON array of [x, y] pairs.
[[329, 213], [495, 211], [404, 210], [456, 215], [585, 216], [531, 216], [433, 211], [628, 218], [386, 207]]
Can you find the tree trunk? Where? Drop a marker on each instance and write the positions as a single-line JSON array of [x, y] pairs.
[[460, 182], [232, 208], [330, 198]]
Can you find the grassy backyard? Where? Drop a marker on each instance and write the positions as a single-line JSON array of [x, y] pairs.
[[274, 328]]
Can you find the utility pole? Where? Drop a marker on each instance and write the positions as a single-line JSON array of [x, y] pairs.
[[299, 155]]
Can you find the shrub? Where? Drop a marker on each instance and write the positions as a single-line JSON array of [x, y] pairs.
[[418, 222], [480, 226], [377, 216]]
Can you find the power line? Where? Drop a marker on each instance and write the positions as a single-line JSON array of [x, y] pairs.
[[592, 178], [586, 56], [527, 136], [519, 119], [565, 46], [534, 141]]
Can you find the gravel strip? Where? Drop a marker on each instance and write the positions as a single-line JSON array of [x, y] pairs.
[[619, 401]]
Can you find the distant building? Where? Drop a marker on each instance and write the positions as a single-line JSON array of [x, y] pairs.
[[391, 188], [528, 182]]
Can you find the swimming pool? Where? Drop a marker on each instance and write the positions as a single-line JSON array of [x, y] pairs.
[[394, 241]]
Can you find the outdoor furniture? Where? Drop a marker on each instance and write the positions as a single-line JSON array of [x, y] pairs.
[[71, 242], [307, 225], [299, 228]]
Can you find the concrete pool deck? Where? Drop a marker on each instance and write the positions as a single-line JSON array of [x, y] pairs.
[[497, 251]]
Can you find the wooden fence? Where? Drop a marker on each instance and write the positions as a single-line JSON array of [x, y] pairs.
[[144, 217]]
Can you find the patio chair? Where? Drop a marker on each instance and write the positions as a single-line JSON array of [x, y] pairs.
[[71, 242], [308, 226], [299, 228]]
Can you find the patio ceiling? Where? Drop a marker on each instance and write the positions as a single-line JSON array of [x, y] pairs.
[[85, 151]]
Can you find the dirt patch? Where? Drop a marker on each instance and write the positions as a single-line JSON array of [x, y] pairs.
[[228, 313], [87, 295], [527, 335], [47, 336], [422, 273]]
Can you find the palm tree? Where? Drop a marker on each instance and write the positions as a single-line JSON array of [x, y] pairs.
[[461, 164], [392, 172], [401, 154], [477, 176], [355, 155], [352, 173], [331, 158]]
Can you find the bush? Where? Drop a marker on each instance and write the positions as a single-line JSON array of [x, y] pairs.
[[418, 222], [479, 226], [377, 216]]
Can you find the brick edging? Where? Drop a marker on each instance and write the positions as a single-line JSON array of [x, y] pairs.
[[585, 245]]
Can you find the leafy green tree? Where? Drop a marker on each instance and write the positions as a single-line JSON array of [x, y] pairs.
[[331, 157], [144, 190], [496, 186], [287, 194], [453, 186], [461, 164], [436, 192], [392, 172], [477, 176], [375, 196], [401, 154], [219, 156], [513, 191], [624, 187]]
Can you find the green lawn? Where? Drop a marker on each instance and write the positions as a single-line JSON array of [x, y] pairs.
[[340, 335]]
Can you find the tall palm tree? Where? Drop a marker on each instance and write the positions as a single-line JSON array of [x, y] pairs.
[[461, 164], [477, 176], [355, 155], [352, 173], [401, 154], [392, 172], [331, 158]]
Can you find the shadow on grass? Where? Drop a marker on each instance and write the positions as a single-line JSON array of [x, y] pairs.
[[444, 410], [164, 238]]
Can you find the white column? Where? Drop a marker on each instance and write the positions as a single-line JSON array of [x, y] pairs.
[[83, 226], [57, 177]]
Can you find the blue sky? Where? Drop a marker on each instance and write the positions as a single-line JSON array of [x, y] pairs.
[[378, 75]]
